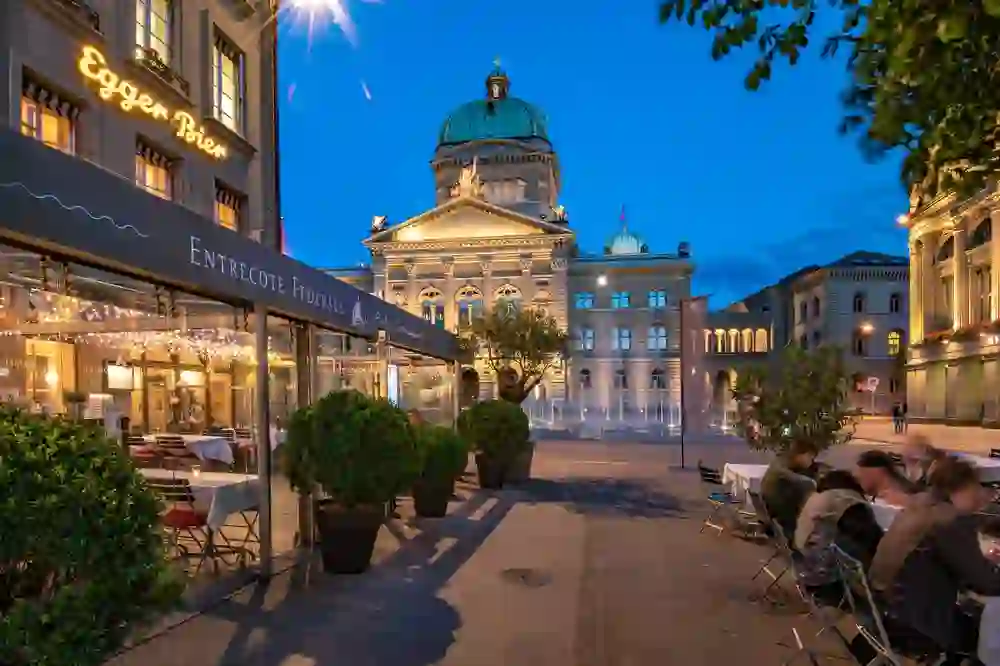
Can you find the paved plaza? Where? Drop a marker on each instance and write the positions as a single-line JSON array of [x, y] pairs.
[[955, 438], [597, 562]]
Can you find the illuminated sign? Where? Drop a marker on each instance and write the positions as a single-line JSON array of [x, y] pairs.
[[94, 66]]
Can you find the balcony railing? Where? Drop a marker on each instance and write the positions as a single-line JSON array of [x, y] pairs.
[[82, 12], [152, 61]]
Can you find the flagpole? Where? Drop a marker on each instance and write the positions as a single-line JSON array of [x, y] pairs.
[[684, 344]]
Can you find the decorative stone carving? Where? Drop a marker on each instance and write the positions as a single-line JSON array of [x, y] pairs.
[[379, 223], [559, 263], [526, 264], [410, 268], [449, 266], [469, 184], [486, 266]]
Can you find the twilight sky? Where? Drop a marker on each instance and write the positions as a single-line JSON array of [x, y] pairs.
[[759, 183]]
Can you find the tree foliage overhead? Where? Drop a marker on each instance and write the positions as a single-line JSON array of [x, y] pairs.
[[519, 345], [924, 74], [802, 398]]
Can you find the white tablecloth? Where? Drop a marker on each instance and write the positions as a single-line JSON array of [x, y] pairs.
[[206, 447], [989, 468], [885, 513], [218, 494], [743, 478]]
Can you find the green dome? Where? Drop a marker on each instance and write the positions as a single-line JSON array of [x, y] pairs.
[[507, 118], [625, 242]]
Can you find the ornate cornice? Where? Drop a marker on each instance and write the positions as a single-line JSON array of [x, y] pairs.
[[459, 244]]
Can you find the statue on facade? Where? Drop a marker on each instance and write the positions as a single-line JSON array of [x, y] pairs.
[[379, 223], [469, 184], [560, 213]]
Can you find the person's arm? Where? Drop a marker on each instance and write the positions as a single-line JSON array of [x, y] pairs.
[[957, 543]]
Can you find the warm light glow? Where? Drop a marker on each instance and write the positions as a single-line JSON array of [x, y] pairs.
[[51, 377], [94, 66], [903, 220], [867, 328], [316, 12], [602, 280]]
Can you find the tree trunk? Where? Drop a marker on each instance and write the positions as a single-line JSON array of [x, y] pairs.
[[511, 388]]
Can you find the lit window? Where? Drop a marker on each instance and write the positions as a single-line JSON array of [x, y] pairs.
[[470, 306], [226, 215], [152, 173], [227, 85], [432, 307], [895, 340], [657, 340], [658, 298], [48, 126], [152, 29], [620, 300], [584, 300], [621, 339]]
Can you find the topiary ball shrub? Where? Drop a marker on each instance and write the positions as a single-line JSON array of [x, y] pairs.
[[82, 557], [360, 451], [496, 428]]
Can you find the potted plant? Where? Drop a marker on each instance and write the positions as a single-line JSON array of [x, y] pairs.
[[83, 560], [498, 432], [445, 455], [359, 453]]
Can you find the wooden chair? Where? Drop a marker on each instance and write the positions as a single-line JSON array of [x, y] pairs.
[[142, 453]]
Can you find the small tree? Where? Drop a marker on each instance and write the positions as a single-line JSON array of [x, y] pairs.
[[519, 345], [803, 398]]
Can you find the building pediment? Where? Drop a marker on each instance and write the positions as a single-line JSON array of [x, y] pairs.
[[463, 219]]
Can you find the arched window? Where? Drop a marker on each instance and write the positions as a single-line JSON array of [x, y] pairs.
[[657, 340], [982, 234], [508, 296], [859, 302], [859, 344], [621, 379], [585, 378], [895, 303], [946, 251], [803, 311], [816, 308], [720, 341], [894, 341], [432, 306], [470, 305], [760, 343], [747, 340], [657, 379]]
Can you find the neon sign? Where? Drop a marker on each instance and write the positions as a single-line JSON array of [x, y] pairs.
[[94, 66]]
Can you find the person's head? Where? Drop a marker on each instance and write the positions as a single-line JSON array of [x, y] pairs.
[[800, 455], [875, 471], [839, 479], [957, 481], [917, 450]]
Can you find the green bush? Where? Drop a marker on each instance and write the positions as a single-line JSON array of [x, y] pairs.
[[82, 558], [360, 451], [444, 452], [496, 428]]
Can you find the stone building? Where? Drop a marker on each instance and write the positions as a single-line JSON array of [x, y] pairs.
[[498, 233], [952, 373]]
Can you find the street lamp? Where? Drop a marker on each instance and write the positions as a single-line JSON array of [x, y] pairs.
[[602, 280], [867, 328]]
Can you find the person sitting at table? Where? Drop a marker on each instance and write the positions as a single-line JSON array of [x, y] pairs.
[[878, 475], [918, 456], [930, 554], [837, 513], [787, 484]]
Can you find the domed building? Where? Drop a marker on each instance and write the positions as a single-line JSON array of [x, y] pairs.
[[497, 232]]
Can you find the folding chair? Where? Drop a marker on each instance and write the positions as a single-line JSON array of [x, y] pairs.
[[720, 500], [779, 549], [782, 556], [182, 519], [175, 452]]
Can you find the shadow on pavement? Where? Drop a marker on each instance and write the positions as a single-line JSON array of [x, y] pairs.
[[389, 616], [626, 497]]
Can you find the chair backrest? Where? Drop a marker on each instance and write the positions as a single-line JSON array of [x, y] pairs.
[[172, 491], [994, 453], [863, 607], [709, 475], [136, 440], [243, 433], [173, 445]]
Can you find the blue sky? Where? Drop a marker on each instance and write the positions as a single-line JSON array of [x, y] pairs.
[[758, 183]]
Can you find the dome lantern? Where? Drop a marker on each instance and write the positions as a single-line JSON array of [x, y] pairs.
[[497, 83]]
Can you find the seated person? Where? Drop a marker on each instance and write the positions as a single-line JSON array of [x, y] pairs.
[[918, 456], [881, 479], [930, 554], [786, 485]]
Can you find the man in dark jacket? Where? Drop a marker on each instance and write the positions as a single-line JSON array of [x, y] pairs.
[[931, 553], [787, 485]]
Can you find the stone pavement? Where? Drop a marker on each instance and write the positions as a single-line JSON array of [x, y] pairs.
[[955, 438], [597, 562]]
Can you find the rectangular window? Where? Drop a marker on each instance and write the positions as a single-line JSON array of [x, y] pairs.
[[152, 29], [152, 172], [657, 340], [48, 125], [584, 300], [228, 84], [981, 296], [228, 205], [434, 313], [587, 339], [658, 298], [621, 339], [620, 300]]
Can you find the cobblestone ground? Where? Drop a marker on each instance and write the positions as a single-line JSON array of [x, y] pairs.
[[597, 562]]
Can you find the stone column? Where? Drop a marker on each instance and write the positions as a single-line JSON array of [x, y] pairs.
[[487, 267], [411, 288], [928, 284], [995, 266], [960, 299], [450, 306], [527, 285], [916, 287]]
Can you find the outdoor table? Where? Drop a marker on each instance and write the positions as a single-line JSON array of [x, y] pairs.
[[743, 478], [217, 494], [206, 447], [989, 468]]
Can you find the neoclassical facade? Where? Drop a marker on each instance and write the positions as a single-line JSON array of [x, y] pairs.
[[498, 233], [952, 372]]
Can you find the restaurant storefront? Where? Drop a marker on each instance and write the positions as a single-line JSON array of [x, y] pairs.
[[190, 343]]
